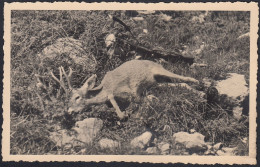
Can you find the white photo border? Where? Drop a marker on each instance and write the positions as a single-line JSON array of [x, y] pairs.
[[223, 6]]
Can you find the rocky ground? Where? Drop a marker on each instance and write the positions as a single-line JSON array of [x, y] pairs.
[[166, 120]]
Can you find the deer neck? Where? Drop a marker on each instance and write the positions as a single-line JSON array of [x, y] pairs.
[[98, 99]]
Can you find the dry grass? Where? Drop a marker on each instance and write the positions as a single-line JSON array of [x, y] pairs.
[[176, 110]]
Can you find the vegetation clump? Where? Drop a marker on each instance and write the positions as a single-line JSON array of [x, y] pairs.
[[38, 103]]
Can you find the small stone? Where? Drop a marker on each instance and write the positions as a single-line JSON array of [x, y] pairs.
[[192, 142], [229, 151], [226, 151], [88, 129], [164, 148], [147, 12], [74, 47], [142, 140], [165, 17], [210, 147], [207, 82], [220, 153], [237, 112], [218, 146], [138, 18], [209, 152], [152, 150], [110, 39], [244, 140], [108, 143], [186, 153], [67, 147], [84, 133], [138, 57], [62, 137], [234, 86], [244, 35], [82, 151], [192, 131]]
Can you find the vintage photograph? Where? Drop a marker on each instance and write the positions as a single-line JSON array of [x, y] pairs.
[[131, 82]]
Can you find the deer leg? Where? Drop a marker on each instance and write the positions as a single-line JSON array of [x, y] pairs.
[[201, 94], [119, 113], [163, 72]]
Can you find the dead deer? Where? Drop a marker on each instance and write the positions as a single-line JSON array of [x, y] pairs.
[[131, 78]]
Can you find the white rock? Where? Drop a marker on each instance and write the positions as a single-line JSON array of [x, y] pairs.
[[226, 151], [145, 12], [108, 143], [164, 148], [63, 45], [138, 57], [142, 140], [244, 35], [192, 130], [207, 82], [199, 51], [209, 152], [218, 146], [237, 112], [198, 65], [200, 18], [186, 153], [84, 133], [138, 18], [244, 140], [165, 17], [88, 129], [62, 137], [110, 39], [193, 142], [152, 97], [83, 151], [220, 153], [235, 86], [145, 31], [72, 46], [209, 147], [229, 150], [152, 150], [67, 147]]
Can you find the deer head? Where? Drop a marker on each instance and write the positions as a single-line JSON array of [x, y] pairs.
[[78, 96], [81, 97]]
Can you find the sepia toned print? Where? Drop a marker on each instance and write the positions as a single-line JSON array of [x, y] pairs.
[[130, 82]]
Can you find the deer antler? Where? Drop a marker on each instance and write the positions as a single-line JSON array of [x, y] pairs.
[[68, 77], [61, 81]]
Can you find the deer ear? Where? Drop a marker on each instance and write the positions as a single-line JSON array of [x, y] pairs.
[[89, 84]]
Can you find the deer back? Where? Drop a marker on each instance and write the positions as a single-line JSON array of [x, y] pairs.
[[128, 77]]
